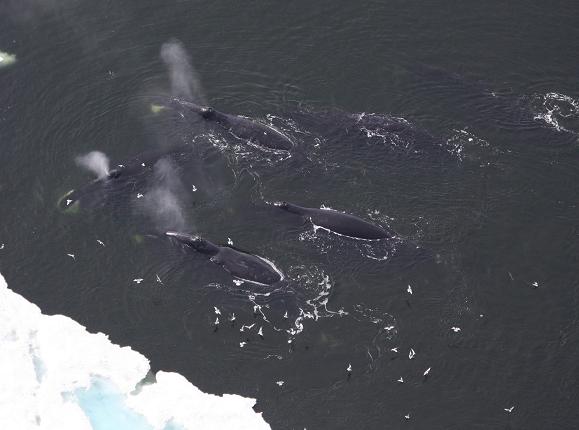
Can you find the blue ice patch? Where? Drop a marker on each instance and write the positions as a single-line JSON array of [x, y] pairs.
[[105, 408]]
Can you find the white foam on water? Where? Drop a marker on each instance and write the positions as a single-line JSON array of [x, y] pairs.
[[56, 375], [554, 107]]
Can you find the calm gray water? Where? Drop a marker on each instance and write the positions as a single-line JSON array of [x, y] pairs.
[[481, 188]]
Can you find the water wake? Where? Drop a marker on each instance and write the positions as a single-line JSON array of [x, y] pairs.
[[556, 110]]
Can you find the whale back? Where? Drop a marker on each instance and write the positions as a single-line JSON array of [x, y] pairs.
[[205, 247], [347, 225], [246, 266], [254, 131]]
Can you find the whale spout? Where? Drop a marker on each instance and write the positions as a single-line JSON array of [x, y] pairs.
[[95, 161]]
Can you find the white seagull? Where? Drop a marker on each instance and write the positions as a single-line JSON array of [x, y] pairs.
[[243, 327]]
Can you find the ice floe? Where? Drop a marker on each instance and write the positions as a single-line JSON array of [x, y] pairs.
[[55, 374]]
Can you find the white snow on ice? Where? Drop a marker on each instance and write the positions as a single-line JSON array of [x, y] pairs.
[[56, 375]]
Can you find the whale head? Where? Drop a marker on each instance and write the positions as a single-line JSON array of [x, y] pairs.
[[69, 202], [184, 238], [282, 205], [291, 208], [91, 194], [192, 241]]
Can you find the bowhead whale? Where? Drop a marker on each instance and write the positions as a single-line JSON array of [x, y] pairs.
[[122, 175], [338, 222], [242, 127], [239, 264]]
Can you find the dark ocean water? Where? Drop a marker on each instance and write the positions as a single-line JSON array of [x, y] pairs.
[[481, 185]]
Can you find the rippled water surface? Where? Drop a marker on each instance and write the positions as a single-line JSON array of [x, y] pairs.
[[455, 125]]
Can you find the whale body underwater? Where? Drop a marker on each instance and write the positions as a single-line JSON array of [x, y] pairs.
[[338, 222], [244, 128], [116, 178], [241, 265]]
